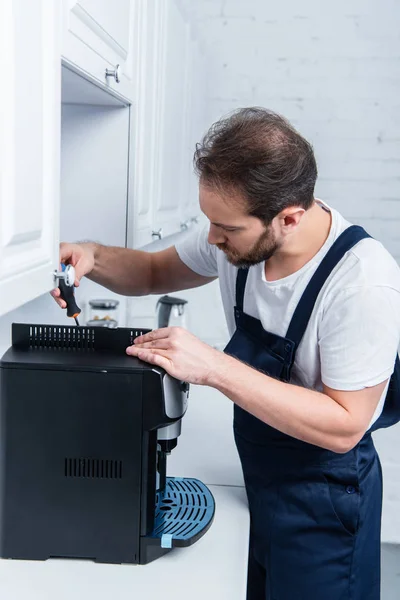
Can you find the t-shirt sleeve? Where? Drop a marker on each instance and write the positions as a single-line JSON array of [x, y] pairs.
[[359, 336], [197, 254]]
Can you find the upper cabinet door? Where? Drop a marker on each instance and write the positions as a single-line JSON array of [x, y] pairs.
[[170, 117], [195, 127], [144, 165], [167, 121], [29, 149], [200, 120], [99, 35]]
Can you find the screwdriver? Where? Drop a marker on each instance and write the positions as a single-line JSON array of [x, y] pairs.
[[67, 294]]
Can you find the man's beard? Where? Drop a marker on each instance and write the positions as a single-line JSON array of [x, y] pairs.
[[263, 249]]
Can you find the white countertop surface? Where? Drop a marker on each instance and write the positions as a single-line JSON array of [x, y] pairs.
[[215, 567]]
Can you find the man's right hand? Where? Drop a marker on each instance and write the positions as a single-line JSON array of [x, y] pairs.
[[81, 257]]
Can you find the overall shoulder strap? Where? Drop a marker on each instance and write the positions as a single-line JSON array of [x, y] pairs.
[[349, 238], [241, 279]]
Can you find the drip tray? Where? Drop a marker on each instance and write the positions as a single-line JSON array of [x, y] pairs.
[[184, 512]]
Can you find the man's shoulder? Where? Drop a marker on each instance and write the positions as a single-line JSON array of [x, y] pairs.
[[367, 265], [374, 265], [368, 262]]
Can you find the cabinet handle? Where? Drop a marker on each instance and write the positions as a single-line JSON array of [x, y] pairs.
[[68, 275], [157, 234], [116, 73], [185, 225]]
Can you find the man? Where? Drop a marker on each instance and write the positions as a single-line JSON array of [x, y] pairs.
[[313, 308]]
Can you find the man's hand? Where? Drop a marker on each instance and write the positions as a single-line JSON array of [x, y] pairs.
[[180, 353], [80, 256]]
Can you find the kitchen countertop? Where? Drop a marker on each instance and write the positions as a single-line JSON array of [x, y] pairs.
[[215, 567]]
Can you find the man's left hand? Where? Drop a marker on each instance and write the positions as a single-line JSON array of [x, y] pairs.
[[180, 353]]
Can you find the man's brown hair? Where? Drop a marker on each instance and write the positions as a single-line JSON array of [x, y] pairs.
[[256, 152]]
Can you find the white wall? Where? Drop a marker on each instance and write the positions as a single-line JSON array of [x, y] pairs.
[[333, 69]]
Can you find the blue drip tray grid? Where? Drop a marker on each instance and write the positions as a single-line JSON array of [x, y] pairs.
[[184, 512]]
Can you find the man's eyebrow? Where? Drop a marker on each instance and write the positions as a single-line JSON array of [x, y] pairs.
[[227, 226]]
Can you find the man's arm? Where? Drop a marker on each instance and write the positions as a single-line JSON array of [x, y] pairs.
[[332, 419], [129, 272], [139, 273]]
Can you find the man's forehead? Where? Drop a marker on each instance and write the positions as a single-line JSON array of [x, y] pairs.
[[219, 207]]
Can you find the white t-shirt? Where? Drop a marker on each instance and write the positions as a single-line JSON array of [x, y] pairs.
[[353, 333]]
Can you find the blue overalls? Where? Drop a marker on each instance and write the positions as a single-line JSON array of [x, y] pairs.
[[315, 515]]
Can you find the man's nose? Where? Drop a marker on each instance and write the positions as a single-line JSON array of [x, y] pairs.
[[215, 235]]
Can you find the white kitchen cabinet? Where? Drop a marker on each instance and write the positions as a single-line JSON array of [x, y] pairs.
[[29, 149], [164, 187], [99, 35], [144, 156], [196, 123], [171, 109]]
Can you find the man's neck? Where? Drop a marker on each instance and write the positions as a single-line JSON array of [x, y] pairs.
[[298, 250]]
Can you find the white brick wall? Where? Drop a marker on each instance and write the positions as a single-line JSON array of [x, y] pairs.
[[333, 69]]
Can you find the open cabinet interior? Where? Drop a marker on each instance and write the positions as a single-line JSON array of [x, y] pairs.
[[95, 130]]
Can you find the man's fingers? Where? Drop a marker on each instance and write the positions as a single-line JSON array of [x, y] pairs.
[[68, 254], [157, 334], [56, 295], [73, 254], [154, 357], [160, 344], [138, 350]]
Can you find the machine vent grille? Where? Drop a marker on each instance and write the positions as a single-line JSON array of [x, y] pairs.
[[43, 336], [59, 337], [93, 468]]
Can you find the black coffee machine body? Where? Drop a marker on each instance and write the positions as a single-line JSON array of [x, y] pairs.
[[85, 431]]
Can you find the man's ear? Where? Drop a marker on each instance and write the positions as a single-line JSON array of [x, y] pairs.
[[290, 218]]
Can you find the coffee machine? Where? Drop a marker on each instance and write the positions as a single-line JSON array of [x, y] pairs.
[[85, 432]]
